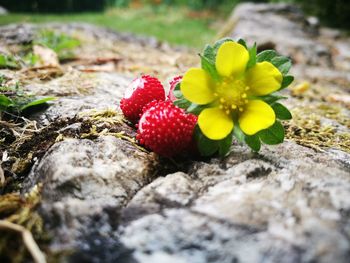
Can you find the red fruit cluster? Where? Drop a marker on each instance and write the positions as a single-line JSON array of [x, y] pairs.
[[164, 128], [139, 93]]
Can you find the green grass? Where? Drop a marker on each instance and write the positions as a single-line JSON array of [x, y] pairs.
[[177, 25]]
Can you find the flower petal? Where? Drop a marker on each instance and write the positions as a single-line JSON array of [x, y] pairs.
[[256, 116], [196, 86], [264, 78], [231, 59], [214, 123]]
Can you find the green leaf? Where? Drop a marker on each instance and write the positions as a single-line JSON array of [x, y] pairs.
[[225, 145], [31, 59], [195, 108], [182, 103], [238, 133], [253, 142], [209, 67], [209, 53], [205, 146], [266, 55], [287, 80], [8, 62], [269, 99], [281, 111], [36, 102], [5, 102], [282, 63], [272, 135], [177, 92], [60, 43], [252, 56], [242, 42]]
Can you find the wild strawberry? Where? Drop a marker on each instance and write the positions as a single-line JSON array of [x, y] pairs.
[[166, 129], [173, 84], [139, 93]]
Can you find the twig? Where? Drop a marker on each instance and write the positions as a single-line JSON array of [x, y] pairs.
[[28, 240], [2, 176]]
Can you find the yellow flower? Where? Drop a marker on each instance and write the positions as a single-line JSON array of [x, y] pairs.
[[235, 95]]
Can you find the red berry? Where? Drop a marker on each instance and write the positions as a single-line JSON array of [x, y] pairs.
[[166, 129], [139, 93], [173, 84]]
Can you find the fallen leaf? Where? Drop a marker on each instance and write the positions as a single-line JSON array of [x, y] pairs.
[[2, 176]]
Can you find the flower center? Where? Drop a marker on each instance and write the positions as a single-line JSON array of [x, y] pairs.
[[232, 95]]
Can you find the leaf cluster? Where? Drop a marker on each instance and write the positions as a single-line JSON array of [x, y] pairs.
[[62, 44], [15, 101]]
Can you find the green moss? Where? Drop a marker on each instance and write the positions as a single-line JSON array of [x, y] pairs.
[[19, 210]]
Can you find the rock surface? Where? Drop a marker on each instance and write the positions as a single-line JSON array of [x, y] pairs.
[[3, 11], [104, 199], [286, 204], [86, 183]]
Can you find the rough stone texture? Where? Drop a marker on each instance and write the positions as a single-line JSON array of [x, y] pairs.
[[85, 183], [292, 35], [286, 204], [79, 93]]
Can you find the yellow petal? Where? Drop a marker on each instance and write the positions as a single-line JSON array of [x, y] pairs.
[[256, 116], [264, 78], [197, 86], [231, 59], [214, 123]]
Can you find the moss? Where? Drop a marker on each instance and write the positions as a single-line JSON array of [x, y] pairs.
[[20, 210], [320, 126]]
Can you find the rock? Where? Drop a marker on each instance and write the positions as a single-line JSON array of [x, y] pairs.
[[283, 27], [286, 204], [78, 92], [47, 57], [85, 183], [3, 11]]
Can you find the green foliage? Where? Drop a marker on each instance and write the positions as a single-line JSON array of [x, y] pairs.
[[209, 66], [205, 146], [272, 135], [171, 23], [62, 44], [253, 142], [9, 61], [281, 111], [15, 101]]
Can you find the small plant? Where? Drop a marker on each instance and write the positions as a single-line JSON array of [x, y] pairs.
[[9, 61], [60, 43], [235, 94], [14, 100]]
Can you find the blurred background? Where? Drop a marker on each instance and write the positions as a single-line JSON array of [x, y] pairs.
[[191, 23]]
